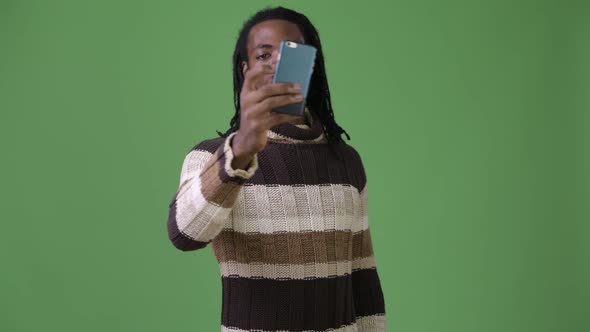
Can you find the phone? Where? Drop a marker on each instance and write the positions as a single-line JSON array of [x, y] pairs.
[[295, 64]]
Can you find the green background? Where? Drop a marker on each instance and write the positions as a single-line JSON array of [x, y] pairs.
[[472, 119]]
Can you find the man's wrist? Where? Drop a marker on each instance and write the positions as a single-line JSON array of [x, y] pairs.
[[242, 159]]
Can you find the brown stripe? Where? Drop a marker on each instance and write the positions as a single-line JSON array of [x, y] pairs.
[[362, 245], [216, 185], [291, 247], [281, 164], [291, 131], [296, 305], [367, 292]]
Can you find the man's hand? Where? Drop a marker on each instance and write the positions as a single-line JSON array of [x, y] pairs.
[[257, 99]]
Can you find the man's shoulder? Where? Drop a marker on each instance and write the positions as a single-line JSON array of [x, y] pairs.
[[351, 152], [209, 144], [355, 163]]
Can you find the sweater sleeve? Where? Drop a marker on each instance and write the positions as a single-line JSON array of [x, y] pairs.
[[368, 296], [207, 192]]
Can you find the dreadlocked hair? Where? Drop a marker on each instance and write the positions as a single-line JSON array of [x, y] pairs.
[[318, 98]]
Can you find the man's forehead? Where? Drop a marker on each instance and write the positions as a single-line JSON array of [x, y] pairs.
[[271, 32]]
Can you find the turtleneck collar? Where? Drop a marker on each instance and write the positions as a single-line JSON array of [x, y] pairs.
[[291, 133]]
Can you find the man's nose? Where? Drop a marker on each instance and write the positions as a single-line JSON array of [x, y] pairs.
[[274, 59]]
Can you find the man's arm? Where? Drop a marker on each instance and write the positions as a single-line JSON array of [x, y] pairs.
[[208, 189], [367, 292]]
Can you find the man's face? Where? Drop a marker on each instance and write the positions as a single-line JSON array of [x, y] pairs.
[[264, 41]]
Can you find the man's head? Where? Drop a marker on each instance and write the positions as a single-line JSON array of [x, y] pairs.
[[264, 39], [258, 43]]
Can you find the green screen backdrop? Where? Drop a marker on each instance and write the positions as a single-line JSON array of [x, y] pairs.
[[472, 119]]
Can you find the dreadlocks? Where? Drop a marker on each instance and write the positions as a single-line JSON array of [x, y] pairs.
[[318, 98]]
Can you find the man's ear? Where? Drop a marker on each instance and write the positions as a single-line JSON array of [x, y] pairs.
[[244, 67]]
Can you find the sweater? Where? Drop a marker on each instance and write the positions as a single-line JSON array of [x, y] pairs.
[[290, 232]]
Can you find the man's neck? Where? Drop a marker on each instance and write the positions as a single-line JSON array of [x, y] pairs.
[[300, 120], [305, 119]]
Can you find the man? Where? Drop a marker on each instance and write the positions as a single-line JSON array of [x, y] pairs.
[[282, 199]]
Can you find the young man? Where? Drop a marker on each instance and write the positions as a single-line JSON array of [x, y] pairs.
[[282, 200]]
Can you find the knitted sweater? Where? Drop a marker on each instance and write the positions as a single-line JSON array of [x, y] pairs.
[[290, 232]]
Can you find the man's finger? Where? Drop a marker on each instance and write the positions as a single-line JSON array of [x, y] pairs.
[[274, 89], [253, 75]]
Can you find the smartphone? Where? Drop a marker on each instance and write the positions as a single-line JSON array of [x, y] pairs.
[[295, 65]]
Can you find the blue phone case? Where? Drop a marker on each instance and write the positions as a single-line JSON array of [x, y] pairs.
[[295, 64]]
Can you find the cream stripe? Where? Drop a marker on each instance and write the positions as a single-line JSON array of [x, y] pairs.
[[295, 271], [194, 162], [196, 217], [270, 209], [375, 323], [286, 208], [276, 136], [229, 157], [364, 263]]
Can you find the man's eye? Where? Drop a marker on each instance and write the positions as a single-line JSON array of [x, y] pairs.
[[260, 57]]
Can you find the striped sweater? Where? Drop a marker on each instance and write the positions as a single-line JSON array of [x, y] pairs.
[[290, 232]]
